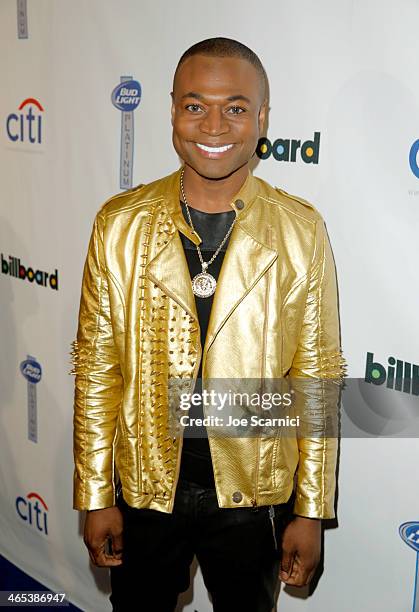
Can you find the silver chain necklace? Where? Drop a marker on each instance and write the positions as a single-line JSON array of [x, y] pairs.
[[203, 284]]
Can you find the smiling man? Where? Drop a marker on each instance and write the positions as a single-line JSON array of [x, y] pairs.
[[209, 273]]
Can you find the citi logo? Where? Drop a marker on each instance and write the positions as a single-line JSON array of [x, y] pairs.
[[13, 267], [413, 158], [33, 510], [26, 126], [286, 150], [400, 375]]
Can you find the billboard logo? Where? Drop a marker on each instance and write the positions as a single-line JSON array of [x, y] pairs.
[[413, 158], [409, 533], [31, 370], [400, 375], [33, 510], [13, 267], [126, 97], [27, 125], [286, 150]]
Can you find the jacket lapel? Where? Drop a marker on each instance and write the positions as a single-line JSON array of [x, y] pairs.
[[169, 269], [247, 258]]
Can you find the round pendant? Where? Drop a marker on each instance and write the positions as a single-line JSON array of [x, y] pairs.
[[203, 284]]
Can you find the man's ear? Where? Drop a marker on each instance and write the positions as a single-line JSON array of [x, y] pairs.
[[262, 115], [172, 110]]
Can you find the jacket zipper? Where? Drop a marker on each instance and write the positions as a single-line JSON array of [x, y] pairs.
[[172, 499], [271, 517], [263, 369]]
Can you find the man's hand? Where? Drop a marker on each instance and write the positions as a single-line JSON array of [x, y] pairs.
[[301, 547], [99, 526]]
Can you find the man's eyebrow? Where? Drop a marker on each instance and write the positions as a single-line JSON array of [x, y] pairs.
[[239, 97], [192, 94], [197, 96]]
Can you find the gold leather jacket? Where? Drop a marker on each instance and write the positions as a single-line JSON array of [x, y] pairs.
[[274, 315]]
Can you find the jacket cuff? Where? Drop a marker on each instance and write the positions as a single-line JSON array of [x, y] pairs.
[[93, 495], [312, 507]]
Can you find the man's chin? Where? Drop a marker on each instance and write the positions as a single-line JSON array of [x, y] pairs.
[[213, 171]]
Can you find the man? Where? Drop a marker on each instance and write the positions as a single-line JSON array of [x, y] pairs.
[[207, 272]]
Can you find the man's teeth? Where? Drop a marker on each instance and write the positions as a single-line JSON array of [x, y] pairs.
[[214, 149]]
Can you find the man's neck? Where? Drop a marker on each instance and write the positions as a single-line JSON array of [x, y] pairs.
[[210, 195]]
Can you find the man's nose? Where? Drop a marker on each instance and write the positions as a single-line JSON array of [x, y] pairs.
[[214, 122]]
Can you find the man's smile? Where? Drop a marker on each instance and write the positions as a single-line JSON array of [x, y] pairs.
[[213, 152]]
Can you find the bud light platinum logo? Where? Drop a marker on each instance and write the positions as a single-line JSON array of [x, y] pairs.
[[22, 19], [33, 511], [413, 158], [409, 533], [126, 97], [31, 370], [26, 125]]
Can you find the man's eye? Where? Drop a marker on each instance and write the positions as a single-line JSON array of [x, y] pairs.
[[236, 110], [194, 108]]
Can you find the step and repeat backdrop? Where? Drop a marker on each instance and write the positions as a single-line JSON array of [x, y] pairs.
[[84, 114]]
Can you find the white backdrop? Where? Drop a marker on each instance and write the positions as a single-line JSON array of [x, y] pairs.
[[348, 70]]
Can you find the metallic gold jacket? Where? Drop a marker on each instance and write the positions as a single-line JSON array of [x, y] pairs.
[[274, 315]]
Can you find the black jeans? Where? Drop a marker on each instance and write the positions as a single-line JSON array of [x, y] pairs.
[[235, 547]]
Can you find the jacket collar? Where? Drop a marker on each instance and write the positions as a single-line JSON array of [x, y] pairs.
[[248, 256], [246, 195]]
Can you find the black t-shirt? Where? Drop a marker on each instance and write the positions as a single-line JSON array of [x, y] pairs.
[[196, 465]]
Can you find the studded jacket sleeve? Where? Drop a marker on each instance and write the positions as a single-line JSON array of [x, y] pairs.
[[98, 384], [316, 375]]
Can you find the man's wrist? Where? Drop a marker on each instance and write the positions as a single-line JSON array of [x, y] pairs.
[[99, 509], [308, 518]]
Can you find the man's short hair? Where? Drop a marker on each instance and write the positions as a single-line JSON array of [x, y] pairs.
[[226, 47]]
